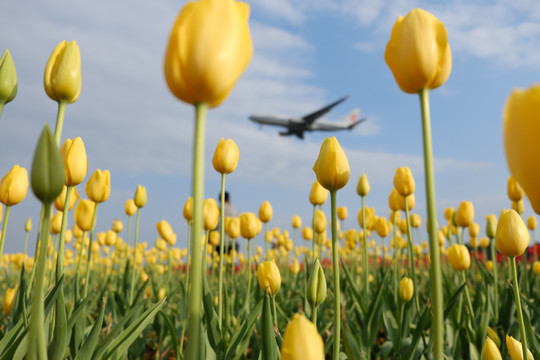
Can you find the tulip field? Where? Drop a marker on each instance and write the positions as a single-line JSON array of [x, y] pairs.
[[393, 286]]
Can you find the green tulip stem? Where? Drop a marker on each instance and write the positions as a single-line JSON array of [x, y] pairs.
[[396, 252], [274, 311], [134, 265], [435, 278], [517, 299], [314, 315], [365, 264], [1, 108], [412, 267], [195, 296], [59, 122], [186, 291], [25, 251], [33, 273], [80, 253], [87, 274], [313, 235], [468, 296], [128, 229], [37, 348], [246, 303], [4, 227], [495, 280], [62, 240], [320, 240], [335, 264], [221, 246]]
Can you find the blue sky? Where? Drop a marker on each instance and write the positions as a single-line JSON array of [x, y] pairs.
[[306, 54]]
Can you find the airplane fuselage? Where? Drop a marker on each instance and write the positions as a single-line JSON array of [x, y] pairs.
[[296, 123]]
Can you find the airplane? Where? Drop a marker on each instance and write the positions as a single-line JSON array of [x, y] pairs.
[[298, 125]]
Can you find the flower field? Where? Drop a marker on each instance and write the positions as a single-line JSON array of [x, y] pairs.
[[316, 290]]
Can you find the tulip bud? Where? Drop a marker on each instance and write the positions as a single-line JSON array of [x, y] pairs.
[[296, 221], [532, 223], [318, 194], [165, 230], [512, 236], [98, 187], [474, 230], [484, 242], [415, 220], [515, 191], [75, 162], [490, 351], [62, 77], [226, 156], [319, 221], [140, 196], [56, 223], [465, 214], [404, 181], [459, 257], [213, 238], [9, 299], [269, 277], [47, 170], [536, 268], [449, 213], [130, 208], [232, 227], [418, 53], [307, 233], [394, 200], [110, 238], [489, 265], [342, 212], [249, 227], [28, 225], [14, 186], [210, 214], [316, 289], [294, 267], [117, 226], [515, 350], [83, 214], [265, 212], [59, 202], [77, 232], [406, 289], [491, 225], [362, 188], [383, 227], [332, 167], [188, 209], [301, 340], [370, 218], [8, 78]]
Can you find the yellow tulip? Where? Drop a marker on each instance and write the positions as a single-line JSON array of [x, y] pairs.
[[515, 349], [59, 202], [465, 214], [110, 237], [56, 223], [209, 48], [210, 214], [83, 214], [9, 299], [383, 227], [404, 181], [14, 186], [213, 238], [532, 223], [512, 236], [296, 221], [188, 209], [318, 194], [449, 213], [370, 218], [490, 351], [294, 267], [362, 188], [319, 221], [269, 277], [415, 220], [62, 77], [75, 161], [489, 265], [484, 243], [249, 227], [520, 126], [474, 230], [27, 225], [418, 52], [332, 167], [307, 233], [117, 226], [459, 257], [342, 212], [232, 227], [98, 187], [265, 212], [130, 208], [406, 289], [8, 78], [536, 267], [165, 230], [140, 196], [491, 225], [514, 190], [301, 340], [226, 156]]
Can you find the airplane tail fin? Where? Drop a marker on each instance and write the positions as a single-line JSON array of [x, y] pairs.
[[352, 119]]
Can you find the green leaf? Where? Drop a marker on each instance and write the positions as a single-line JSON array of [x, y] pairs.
[[214, 332], [237, 346], [269, 345], [352, 285], [172, 334], [89, 345]]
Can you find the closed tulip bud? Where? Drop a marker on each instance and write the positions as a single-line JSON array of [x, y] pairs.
[[188, 209], [301, 340], [473, 243], [515, 350], [459, 257], [209, 48], [110, 238], [165, 230], [489, 265], [269, 277], [307, 233], [117, 226], [56, 223], [449, 214], [210, 214], [332, 167], [319, 221], [415, 220], [75, 162], [296, 221], [518, 207], [370, 218], [83, 214], [249, 227], [226, 156], [490, 351], [28, 225], [418, 52], [404, 181], [47, 176], [491, 225], [8, 78], [318, 194], [9, 299], [383, 227], [515, 191], [362, 188], [62, 77], [130, 208], [484, 242], [265, 212], [532, 223], [294, 267], [512, 236], [98, 187], [213, 238], [316, 289], [465, 214], [14, 186], [406, 289], [474, 230], [101, 238], [232, 227], [536, 268], [77, 232], [342, 213], [394, 200], [59, 202], [140, 196]]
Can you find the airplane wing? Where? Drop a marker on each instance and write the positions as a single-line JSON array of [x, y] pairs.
[[309, 119]]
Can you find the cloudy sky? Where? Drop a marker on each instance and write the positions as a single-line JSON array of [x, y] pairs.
[[307, 53]]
